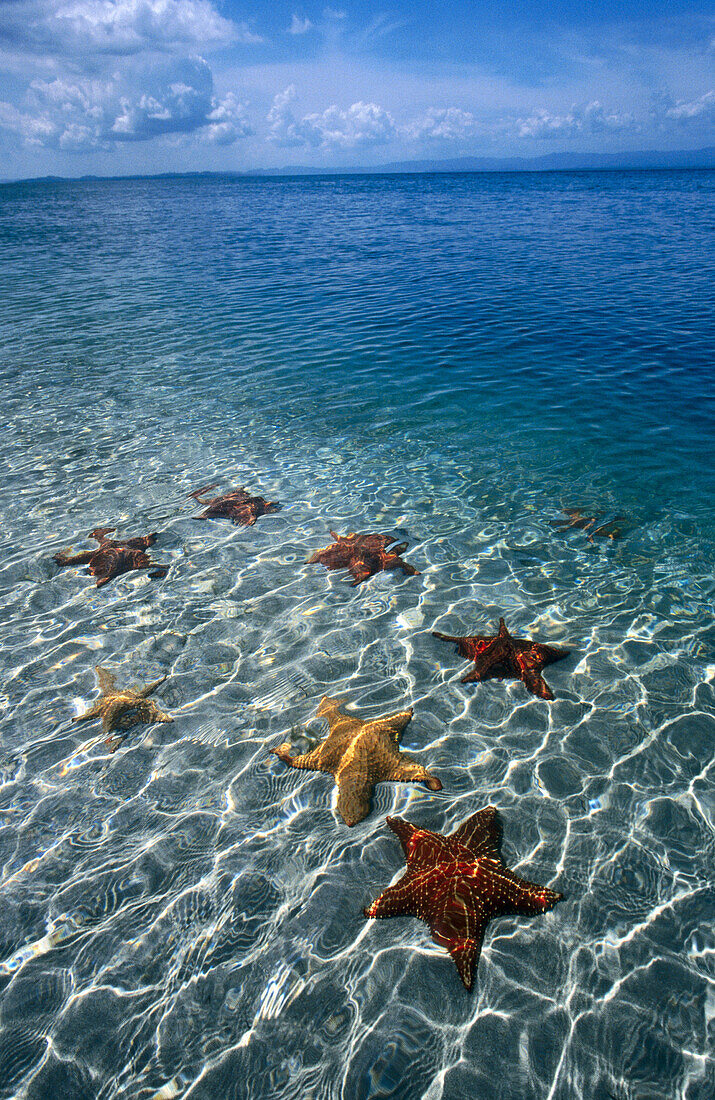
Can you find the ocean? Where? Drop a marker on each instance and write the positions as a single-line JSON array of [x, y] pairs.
[[456, 360]]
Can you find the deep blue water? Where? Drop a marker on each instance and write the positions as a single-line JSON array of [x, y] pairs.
[[452, 358]]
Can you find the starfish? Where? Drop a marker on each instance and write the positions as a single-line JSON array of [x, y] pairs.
[[360, 754], [236, 505], [501, 655], [122, 708], [363, 555], [578, 519], [457, 884], [114, 556]]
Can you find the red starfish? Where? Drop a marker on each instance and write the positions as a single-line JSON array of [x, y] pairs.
[[501, 655], [456, 884], [114, 556], [236, 505], [363, 555]]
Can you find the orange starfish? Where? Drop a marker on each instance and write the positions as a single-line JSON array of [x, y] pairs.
[[360, 754]]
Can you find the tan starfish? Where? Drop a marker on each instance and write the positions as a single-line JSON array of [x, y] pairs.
[[360, 754], [122, 708]]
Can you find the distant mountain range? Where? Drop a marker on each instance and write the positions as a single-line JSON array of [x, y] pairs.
[[551, 162]]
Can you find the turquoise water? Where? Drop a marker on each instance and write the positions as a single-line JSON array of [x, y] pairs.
[[452, 358]]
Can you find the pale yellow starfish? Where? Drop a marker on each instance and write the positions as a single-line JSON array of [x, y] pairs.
[[360, 754], [122, 708]]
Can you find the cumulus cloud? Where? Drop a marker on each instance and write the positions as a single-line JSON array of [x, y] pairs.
[[697, 110], [116, 27], [174, 98], [299, 26], [591, 119], [360, 124], [442, 124]]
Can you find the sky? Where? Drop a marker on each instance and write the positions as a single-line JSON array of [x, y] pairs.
[[116, 87]]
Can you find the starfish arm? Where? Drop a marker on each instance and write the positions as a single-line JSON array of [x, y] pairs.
[[421, 847], [398, 563], [404, 830], [328, 707], [105, 679], [403, 769], [145, 691], [462, 644], [395, 901], [360, 570], [519, 897], [309, 761], [65, 558], [354, 791], [200, 492], [465, 953], [481, 833], [99, 534], [159, 572], [157, 715], [475, 675], [390, 726], [528, 669]]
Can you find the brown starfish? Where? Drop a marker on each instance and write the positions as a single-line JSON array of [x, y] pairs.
[[236, 505], [587, 523], [501, 655], [360, 754], [122, 708], [114, 556], [457, 884], [363, 555]]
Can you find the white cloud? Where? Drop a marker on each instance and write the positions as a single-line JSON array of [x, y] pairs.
[[699, 110], [358, 125], [227, 121], [591, 119], [117, 27], [299, 26], [174, 98], [442, 124]]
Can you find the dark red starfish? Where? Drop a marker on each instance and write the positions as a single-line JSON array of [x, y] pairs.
[[457, 884], [363, 555], [500, 655], [236, 505], [114, 556]]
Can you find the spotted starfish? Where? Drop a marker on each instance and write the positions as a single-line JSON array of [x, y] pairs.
[[124, 707], [236, 505], [576, 518], [457, 884], [363, 555], [114, 556], [501, 655], [360, 754]]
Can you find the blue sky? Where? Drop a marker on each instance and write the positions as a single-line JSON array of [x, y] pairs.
[[121, 86]]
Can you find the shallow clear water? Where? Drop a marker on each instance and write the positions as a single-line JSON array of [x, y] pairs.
[[453, 359]]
